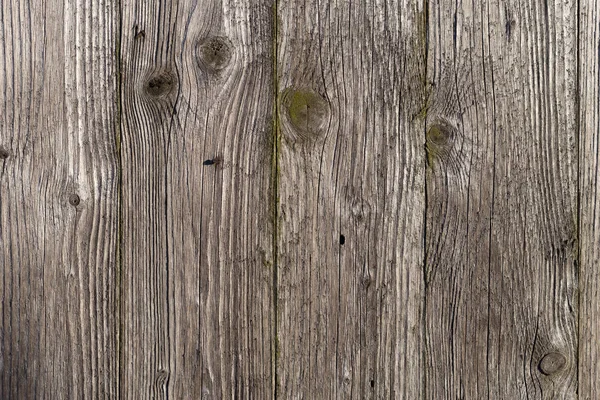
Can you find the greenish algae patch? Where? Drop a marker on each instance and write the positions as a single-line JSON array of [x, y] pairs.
[[305, 111]]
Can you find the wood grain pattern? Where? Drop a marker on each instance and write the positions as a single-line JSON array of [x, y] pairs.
[[299, 199], [58, 199], [502, 241], [351, 163], [197, 270], [589, 192]]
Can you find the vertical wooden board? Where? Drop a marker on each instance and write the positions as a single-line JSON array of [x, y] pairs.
[[197, 89], [589, 187], [501, 230], [351, 199], [58, 199]]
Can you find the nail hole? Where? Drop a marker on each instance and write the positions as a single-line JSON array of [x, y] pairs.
[[74, 200], [342, 239], [372, 383], [216, 160]]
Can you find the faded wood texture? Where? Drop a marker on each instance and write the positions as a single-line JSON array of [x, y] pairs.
[[502, 207], [351, 88], [58, 199], [197, 265]]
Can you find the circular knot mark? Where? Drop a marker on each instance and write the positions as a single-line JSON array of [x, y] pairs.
[[3, 153], [439, 141], [552, 363], [306, 111], [160, 85], [439, 135], [74, 199], [214, 52]]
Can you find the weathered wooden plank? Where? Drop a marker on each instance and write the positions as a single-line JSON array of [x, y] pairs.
[[58, 199], [589, 189], [351, 199], [501, 231], [197, 271]]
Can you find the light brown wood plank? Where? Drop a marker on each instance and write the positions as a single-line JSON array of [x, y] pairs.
[[502, 241], [589, 277], [197, 239], [351, 79], [58, 199]]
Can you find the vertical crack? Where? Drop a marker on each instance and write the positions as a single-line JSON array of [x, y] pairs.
[[118, 251], [579, 172], [425, 44], [275, 203]]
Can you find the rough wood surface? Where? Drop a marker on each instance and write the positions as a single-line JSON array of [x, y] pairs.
[[351, 199], [58, 199], [502, 249], [197, 266], [299, 199], [589, 191]]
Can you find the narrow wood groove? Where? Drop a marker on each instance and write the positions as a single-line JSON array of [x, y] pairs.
[[275, 202]]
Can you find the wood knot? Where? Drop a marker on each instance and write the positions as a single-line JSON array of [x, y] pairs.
[[4, 154], [74, 199], [161, 84], [214, 53], [439, 141], [306, 111], [552, 363]]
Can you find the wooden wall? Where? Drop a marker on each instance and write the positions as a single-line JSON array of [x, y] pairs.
[[313, 199]]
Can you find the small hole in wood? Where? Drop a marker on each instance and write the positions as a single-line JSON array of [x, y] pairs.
[[3, 153], [74, 200], [372, 383], [342, 239]]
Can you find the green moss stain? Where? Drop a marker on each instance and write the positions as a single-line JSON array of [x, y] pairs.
[[422, 114], [305, 111], [299, 106]]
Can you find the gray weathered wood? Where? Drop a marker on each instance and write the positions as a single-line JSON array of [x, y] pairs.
[[197, 270], [501, 315], [58, 199], [351, 162], [299, 199], [589, 191]]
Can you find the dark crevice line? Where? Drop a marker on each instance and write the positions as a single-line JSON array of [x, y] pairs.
[[579, 172], [426, 189], [275, 204], [119, 251]]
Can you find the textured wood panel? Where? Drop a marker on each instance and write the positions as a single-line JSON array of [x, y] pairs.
[[58, 199], [351, 84], [197, 271], [589, 191], [502, 218]]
